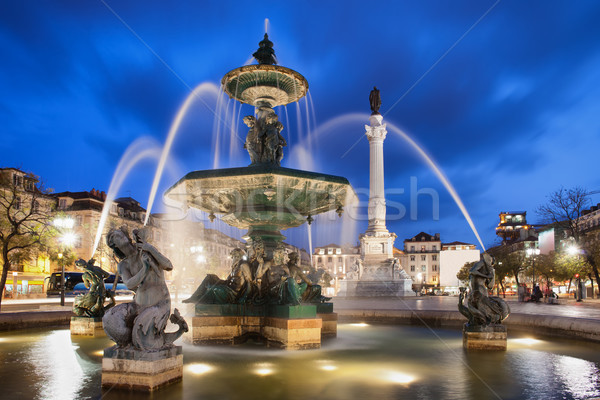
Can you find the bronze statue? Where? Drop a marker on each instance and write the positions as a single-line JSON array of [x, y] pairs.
[[264, 141], [253, 143], [141, 323], [480, 308], [271, 279], [91, 304], [236, 288], [306, 289], [375, 100]]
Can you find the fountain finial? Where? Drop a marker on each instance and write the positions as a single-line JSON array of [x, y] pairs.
[[265, 53]]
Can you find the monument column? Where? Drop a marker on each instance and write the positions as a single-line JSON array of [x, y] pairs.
[[376, 133]]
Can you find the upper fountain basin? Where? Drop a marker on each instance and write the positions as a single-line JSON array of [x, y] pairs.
[[263, 83], [262, 195]]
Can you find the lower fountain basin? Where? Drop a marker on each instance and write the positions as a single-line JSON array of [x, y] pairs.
[[365, 361]]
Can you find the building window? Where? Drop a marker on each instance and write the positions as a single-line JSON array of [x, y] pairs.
[[423, 268], [338, 251], [422, 248], [434, 267], [17, 203], [78, 220], [62, 204], [434, 257], [321, 251], [36, 206], [434, 247], [77, 242], [329, 251], [340, 268], [329, 259], [412, 268], [320, 260], [412, 258], [423, 258], [434, 278], [412, 248]]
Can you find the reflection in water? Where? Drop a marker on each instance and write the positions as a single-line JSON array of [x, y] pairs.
[[379, 362], [60, 375]]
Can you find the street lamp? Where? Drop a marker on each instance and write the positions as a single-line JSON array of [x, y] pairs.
[[532, 253], [62, 279], [67, 240]]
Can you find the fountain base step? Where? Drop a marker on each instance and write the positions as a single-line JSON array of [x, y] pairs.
[[137, 370], [86, 326], [287, 327], [492, 337]]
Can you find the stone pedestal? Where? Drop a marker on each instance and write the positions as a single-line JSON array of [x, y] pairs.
[[329, 320], [87, 326], [141, 370], [492, 337], [287, 327]]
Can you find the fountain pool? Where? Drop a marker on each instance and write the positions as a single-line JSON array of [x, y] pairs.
[[364, 361]]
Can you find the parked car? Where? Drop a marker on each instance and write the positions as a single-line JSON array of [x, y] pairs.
[[120, 290], [72, 279]]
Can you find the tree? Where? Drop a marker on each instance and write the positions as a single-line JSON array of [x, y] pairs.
[[510, 263], [564, 209], [25, 219], [463, 274]]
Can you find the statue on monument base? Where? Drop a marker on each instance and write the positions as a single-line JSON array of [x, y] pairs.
[[141, 323]]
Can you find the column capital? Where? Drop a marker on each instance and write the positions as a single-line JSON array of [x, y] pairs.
[[376, 132]]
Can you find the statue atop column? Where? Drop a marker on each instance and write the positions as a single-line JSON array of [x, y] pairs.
[[375, 100]]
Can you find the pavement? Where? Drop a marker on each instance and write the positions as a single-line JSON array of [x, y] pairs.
[[587, 309], [578, 320]]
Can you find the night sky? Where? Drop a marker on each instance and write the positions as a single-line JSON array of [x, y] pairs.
[[503, 95]]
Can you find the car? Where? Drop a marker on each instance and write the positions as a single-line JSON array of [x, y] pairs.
[[72, 279], [120, 290]]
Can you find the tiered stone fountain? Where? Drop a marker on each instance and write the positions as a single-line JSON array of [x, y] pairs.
[[264, 296]]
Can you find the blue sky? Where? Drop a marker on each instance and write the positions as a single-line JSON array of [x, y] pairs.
[[504, 95]]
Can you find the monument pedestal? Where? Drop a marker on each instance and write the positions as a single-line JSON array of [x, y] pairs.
[[87, 326], [492, 337], [141, 370], [376, 288], [287, 327]]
